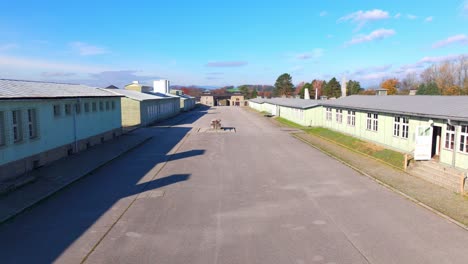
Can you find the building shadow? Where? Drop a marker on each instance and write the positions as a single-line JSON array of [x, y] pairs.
[[45, 232]]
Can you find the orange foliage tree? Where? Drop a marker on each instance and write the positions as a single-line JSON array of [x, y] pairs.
[[391, 85]]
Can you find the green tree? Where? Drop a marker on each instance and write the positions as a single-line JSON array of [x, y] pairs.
[[332, 88], [302, 91], [244, 90], [284, 86], [353, 87], [254, 93], [428, 89]]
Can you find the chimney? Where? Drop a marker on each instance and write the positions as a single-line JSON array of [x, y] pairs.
[[343, 87], [381, 92], [306, 94], [161, 86]]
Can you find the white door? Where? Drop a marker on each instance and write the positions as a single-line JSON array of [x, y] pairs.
[[423, 144]]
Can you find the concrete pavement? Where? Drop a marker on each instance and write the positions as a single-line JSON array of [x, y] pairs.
[[254, 196]]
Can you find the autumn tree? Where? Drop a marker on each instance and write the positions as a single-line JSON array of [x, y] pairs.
[[317, 86], [284, 86], [410, 82], [332, 88], [299, 88], [391, 85], [367, 92]]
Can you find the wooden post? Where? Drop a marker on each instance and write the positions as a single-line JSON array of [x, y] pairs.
[[462, 183], [405, 166]]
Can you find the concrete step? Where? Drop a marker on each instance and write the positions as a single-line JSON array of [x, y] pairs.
[[438, 167], [436, 173], [449, 181]]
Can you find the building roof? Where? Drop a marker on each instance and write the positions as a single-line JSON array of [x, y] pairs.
[[18, 89], [257, 100], [443, 107], [135, 95], [288, 102], [163, 95]]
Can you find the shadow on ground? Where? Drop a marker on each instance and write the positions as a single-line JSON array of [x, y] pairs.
[[44, 232]]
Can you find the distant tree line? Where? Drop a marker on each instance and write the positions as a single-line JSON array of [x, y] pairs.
[[332, 88]]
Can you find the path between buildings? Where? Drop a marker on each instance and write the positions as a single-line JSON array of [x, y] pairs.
[[253, 195], [433, 197]]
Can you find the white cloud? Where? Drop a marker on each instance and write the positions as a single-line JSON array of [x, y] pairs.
[[464, 7], [438, 59], [37, 64], [314, 54], [323, 13], [412, 17], [85, 49], [362, 17], [378, 34], [397, 16], [7, 47], [461, 39], [429, 19]]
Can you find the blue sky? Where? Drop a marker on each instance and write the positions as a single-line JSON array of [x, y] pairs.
[[221, 43]]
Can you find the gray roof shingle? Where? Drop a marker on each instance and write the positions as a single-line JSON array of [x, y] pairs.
[[16, 89], [289, 102], [444, 107]]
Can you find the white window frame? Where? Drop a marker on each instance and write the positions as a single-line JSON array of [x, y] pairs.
[[17, 126], [339, 116], [329, 114], [2, 129], [396, 126], [375, 122], [372, 122], [449, 137], [405, 127], [351, 118], [32, 123], [463, 146], [369, 121]]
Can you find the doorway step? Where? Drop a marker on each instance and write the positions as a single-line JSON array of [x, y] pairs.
[[437, 173]]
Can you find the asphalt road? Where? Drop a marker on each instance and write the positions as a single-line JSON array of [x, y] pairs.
[[254, 196]]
